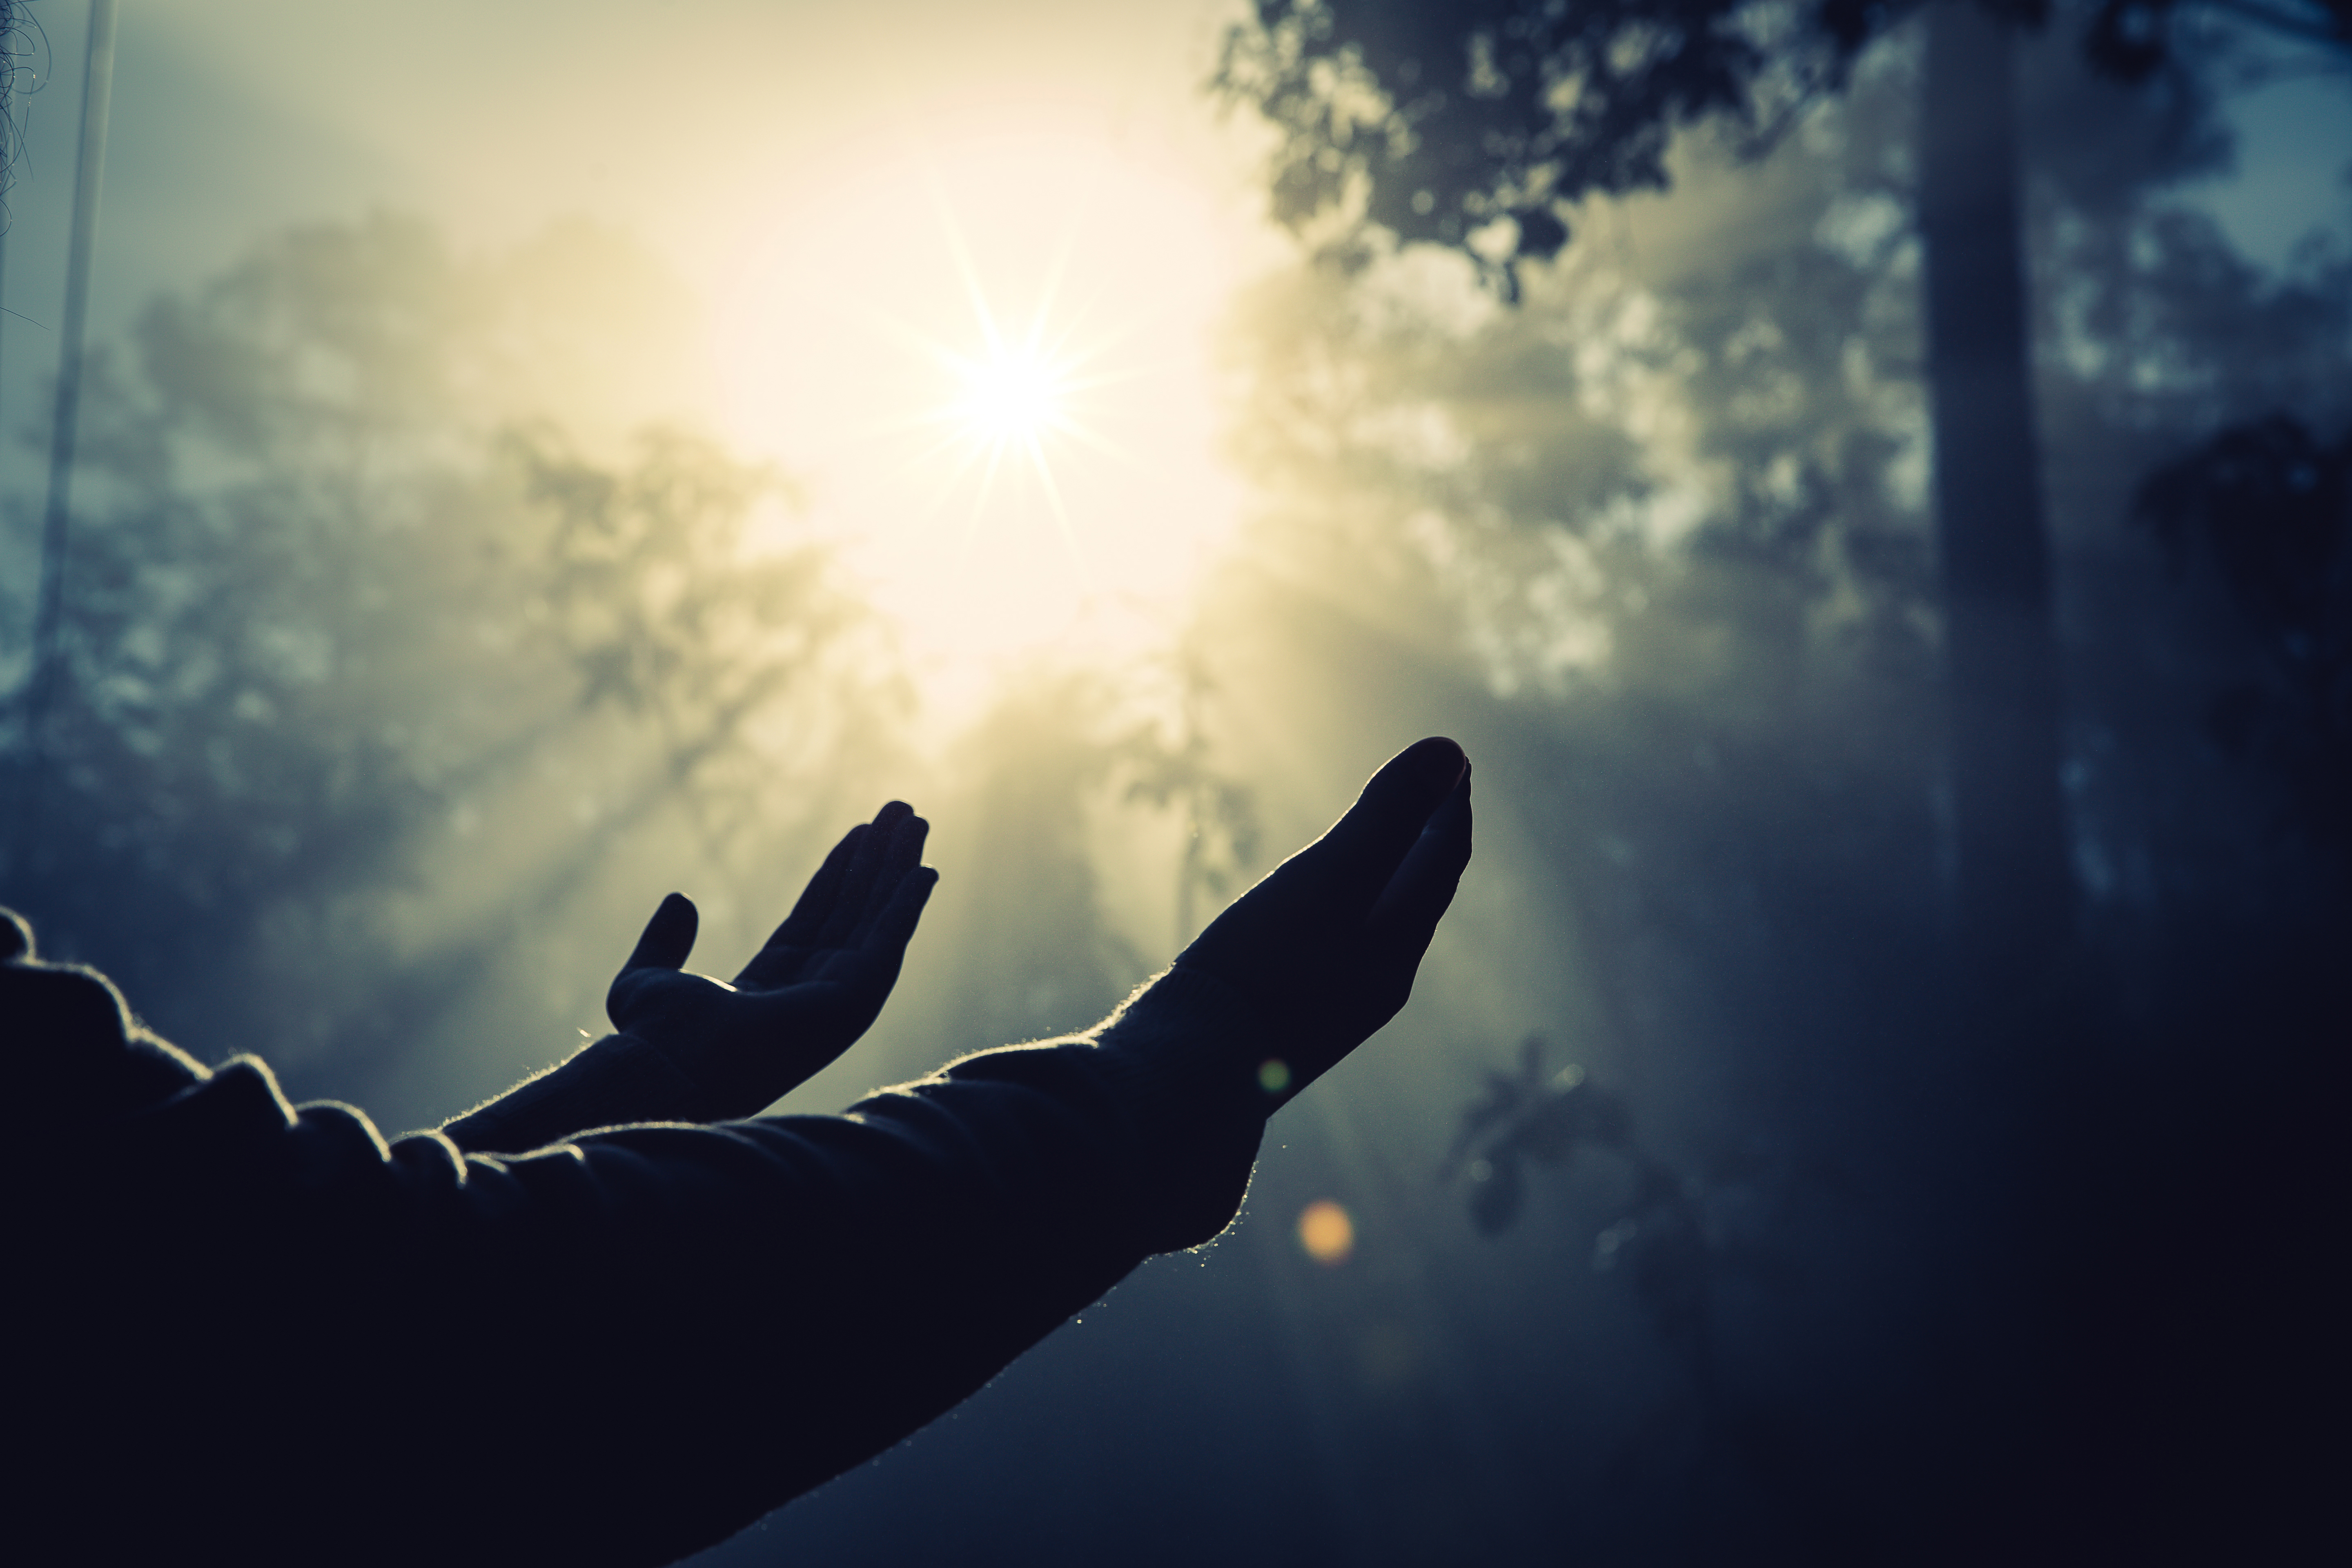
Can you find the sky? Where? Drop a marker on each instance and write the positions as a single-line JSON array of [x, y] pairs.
[[887, 215], [695, 124]]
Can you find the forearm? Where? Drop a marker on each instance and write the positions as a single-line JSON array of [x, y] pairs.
[[619, 1080], [788, 1297], [623, 1348]]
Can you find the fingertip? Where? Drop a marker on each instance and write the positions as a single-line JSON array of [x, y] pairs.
[[1437, 760], [1396, 805], [907, 833], [1453, 813], [16, 937], [901, 858], [896, 927], [1455, 818], [1421, 777]]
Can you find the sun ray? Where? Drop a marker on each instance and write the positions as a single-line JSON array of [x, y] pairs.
[[966, 269], [1057, 269], [979, 501], [1053, 498]]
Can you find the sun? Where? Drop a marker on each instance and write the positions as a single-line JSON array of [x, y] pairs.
[[1012, 402], [990, 366], [1012, 410], [1013, 398]]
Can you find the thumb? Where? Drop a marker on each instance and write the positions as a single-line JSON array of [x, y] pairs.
[[668, 936]]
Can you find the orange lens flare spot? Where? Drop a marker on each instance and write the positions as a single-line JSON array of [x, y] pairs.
[[1326, 1233]]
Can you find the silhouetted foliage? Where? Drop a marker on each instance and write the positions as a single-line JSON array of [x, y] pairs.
[[1526, 1117], [1671, 513], [14, 48], [1478, 124]]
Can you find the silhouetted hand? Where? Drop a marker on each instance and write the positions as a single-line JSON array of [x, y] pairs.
[[1326, 947], [807, 996]]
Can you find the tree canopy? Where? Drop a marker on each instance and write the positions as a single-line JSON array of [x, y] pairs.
[[1478, 125]]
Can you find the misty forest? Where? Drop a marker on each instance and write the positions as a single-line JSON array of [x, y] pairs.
[[1869, 486]]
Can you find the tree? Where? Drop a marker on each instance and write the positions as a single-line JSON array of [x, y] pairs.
[[2156, 331], [384, 643], [1479, 126]]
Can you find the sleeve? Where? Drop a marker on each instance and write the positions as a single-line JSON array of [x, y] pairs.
[[618, 1349]]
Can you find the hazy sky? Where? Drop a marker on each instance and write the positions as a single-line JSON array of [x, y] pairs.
[[833, 181], [700, 124], [692, 122]]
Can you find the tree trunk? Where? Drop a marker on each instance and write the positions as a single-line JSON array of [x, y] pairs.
[[2016, 884], [2016, 1309]]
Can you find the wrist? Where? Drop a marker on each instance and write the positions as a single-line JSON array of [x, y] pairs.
[[619, 1080], [1184, 1056], [1186, 1048]]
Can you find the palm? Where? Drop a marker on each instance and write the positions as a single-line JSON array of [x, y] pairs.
[[782, 966], [810, 992], [1327, 945]]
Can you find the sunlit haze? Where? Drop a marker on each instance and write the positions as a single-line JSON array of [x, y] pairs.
[[951, 263], [989, 362]]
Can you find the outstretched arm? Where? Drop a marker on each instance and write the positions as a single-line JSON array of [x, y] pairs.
[[625, 1348], [693, 1048], [851, 1278]]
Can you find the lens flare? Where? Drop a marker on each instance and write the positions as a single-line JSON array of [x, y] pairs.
[[1326, 1233]]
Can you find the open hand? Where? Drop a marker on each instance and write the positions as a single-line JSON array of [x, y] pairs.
[[806, 996], [1327, 945]]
